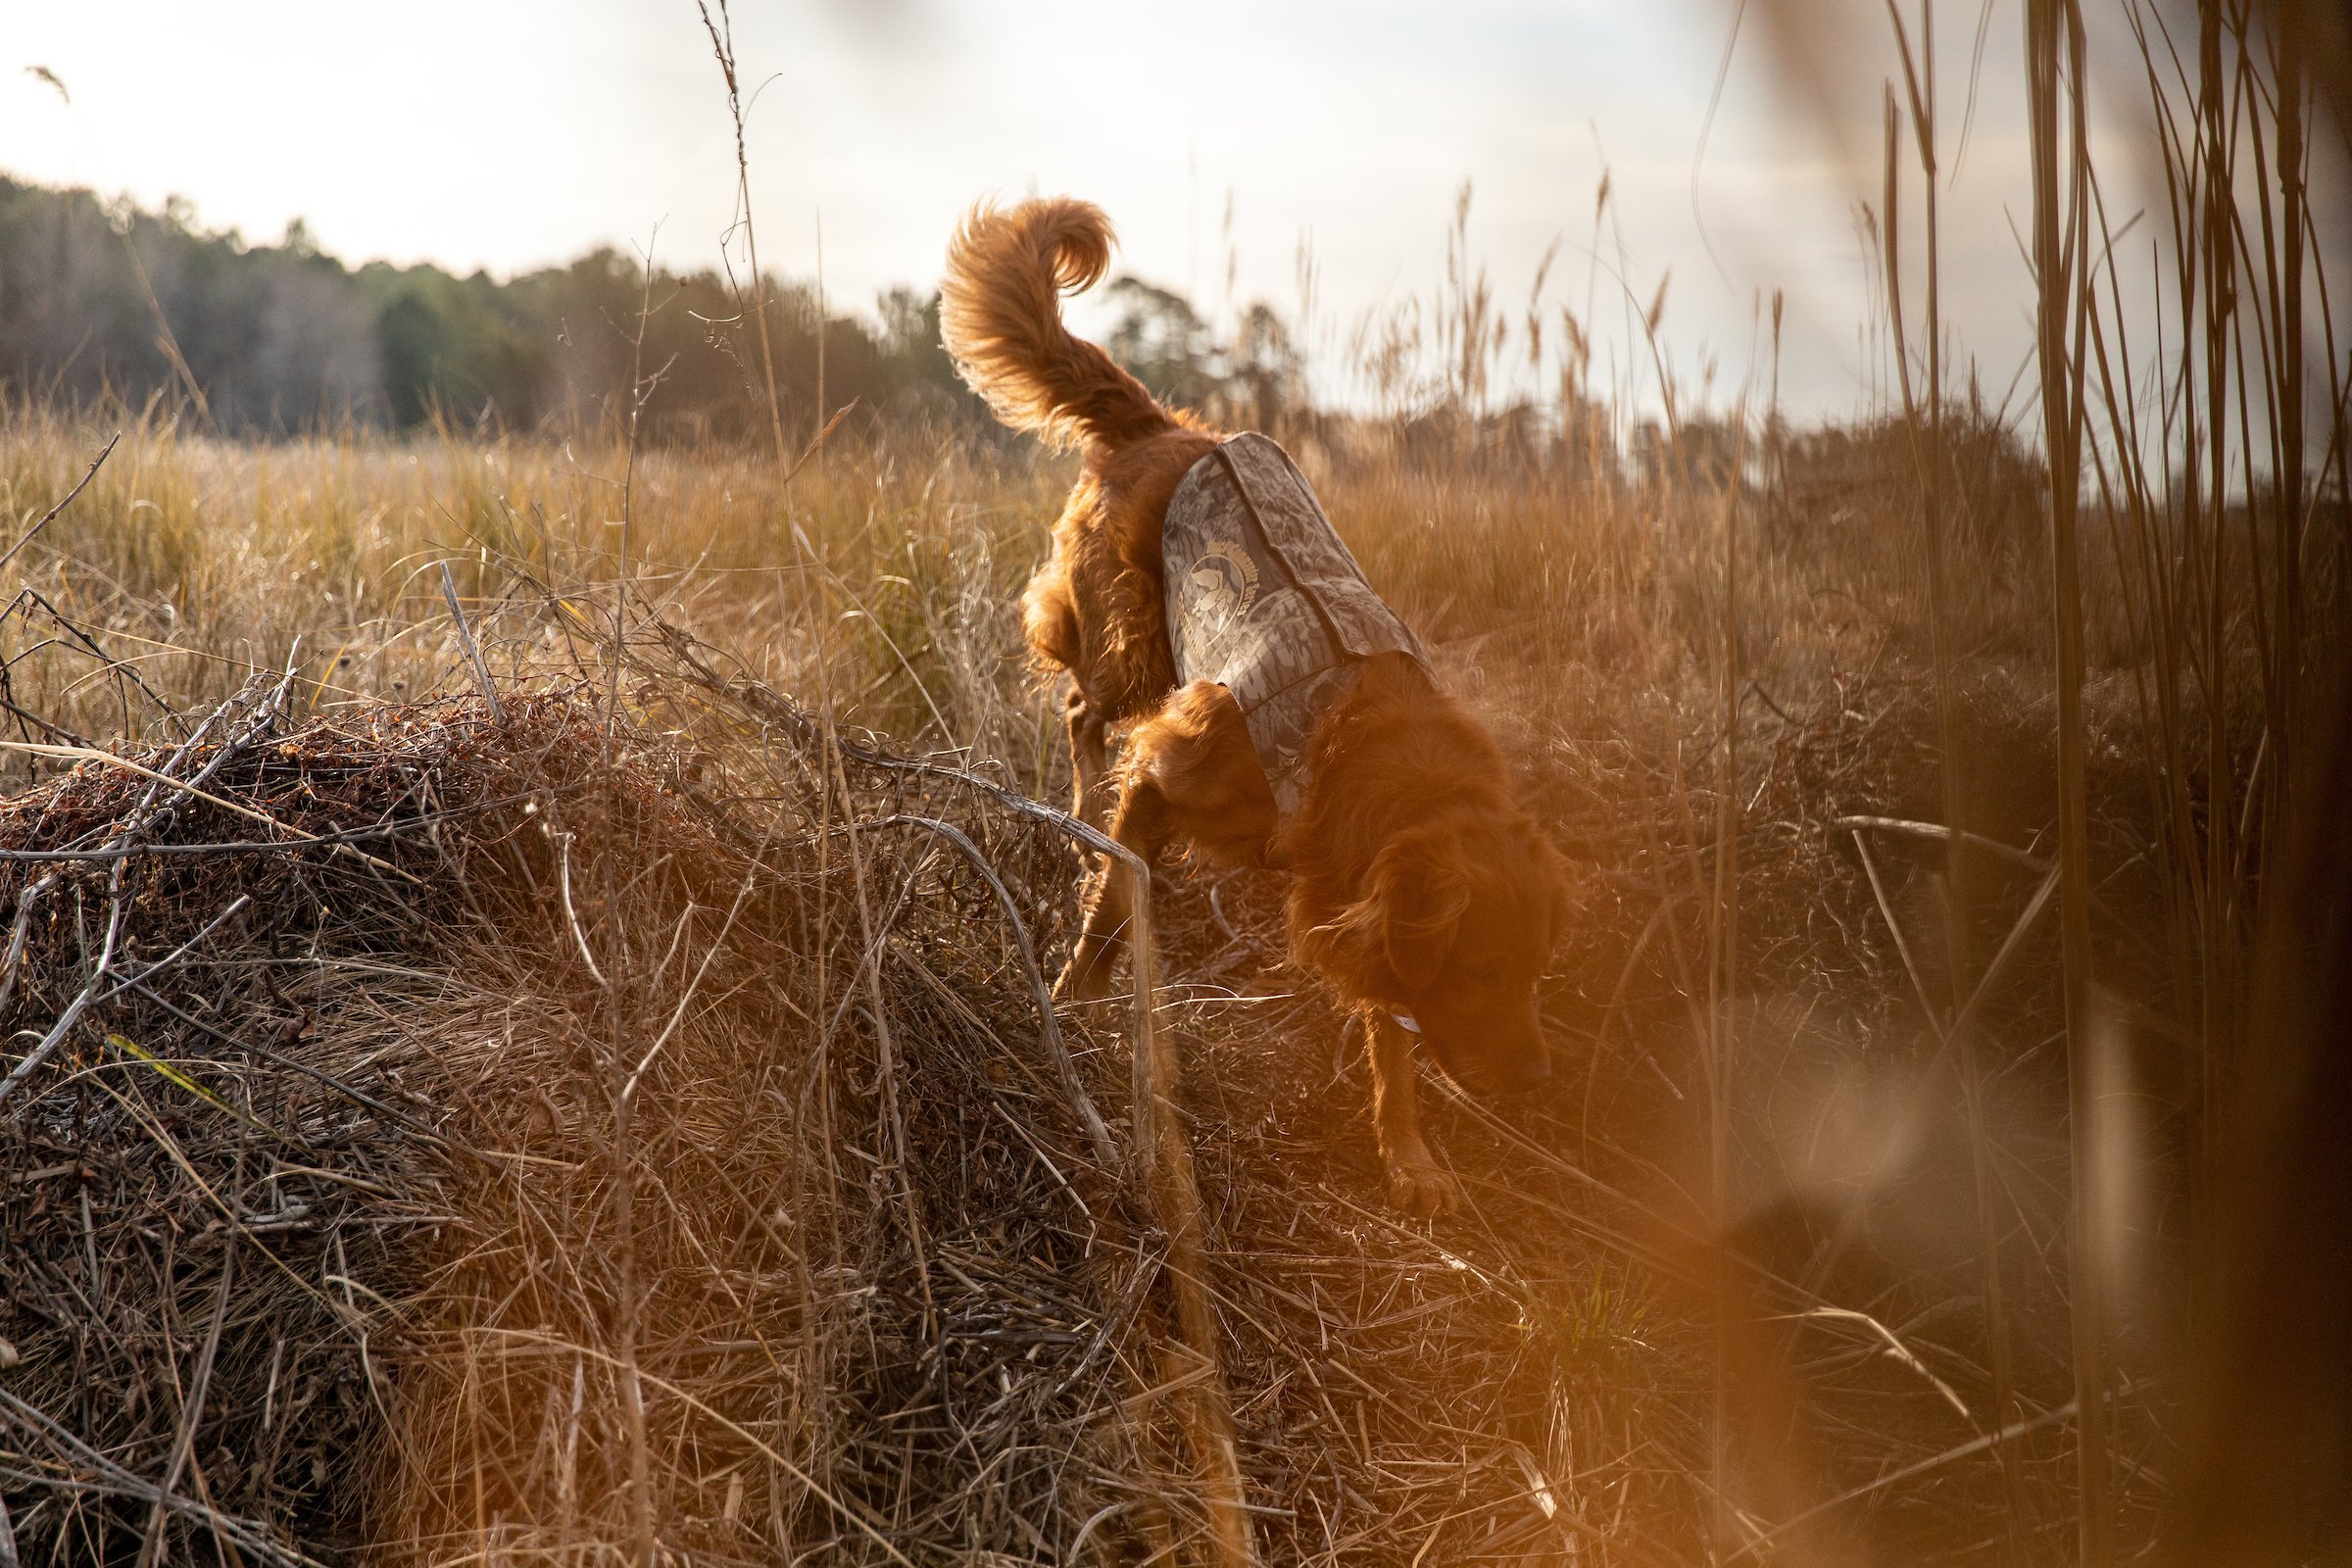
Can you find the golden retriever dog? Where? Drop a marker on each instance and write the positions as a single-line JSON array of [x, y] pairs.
[[1421, 889]]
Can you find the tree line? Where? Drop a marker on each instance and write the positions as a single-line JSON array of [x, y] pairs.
[[104, 300]]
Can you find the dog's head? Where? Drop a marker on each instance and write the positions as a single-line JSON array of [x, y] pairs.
[[1454, 927]]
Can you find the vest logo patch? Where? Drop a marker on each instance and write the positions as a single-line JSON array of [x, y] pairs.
[[1226, 579]]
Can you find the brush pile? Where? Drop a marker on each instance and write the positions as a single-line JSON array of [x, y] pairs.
[[472, 1132], [451, 1136]]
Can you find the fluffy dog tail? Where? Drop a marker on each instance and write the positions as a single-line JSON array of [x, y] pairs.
[[1001, 315]]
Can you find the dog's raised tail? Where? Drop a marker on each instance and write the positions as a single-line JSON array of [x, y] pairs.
[[1000, 313]]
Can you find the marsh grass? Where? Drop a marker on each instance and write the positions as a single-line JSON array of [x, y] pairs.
[[1804, 1256], [1582, 618]]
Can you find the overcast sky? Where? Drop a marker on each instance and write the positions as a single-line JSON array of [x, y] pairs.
[[512, 133]]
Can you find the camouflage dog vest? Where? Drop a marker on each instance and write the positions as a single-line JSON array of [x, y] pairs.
[[1264, 598]]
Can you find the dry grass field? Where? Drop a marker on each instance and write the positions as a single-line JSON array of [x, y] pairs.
[[1555, 1346], [544, 1058]]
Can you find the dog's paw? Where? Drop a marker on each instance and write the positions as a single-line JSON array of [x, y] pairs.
[[1422, 1188], [1088, 977]]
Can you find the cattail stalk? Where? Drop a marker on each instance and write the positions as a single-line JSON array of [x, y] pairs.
[[2054, 65]]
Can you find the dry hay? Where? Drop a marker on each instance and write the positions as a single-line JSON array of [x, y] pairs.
[[322, 1220], [597, 1139]]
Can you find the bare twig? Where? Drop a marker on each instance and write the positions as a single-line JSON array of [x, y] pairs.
[[49, 517], [1943, 834], [191, 1412], [1048, 1025], [65, 1020], [109, 1476], [88, 754], [473, 651]]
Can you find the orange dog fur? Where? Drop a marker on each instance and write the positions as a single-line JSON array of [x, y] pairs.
[[1419, 886]]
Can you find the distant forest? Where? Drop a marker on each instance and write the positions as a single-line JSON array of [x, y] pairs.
[[103, 299]]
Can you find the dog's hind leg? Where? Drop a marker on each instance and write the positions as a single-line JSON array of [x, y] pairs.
[[1050, 623], [1189, 774]]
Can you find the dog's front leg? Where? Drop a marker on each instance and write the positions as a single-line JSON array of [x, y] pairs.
[[1188, 772], [1089, 757], [1416, 1183], [1139, 825]]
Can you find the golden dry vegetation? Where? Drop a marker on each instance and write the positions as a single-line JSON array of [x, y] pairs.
[[1946, 800]]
